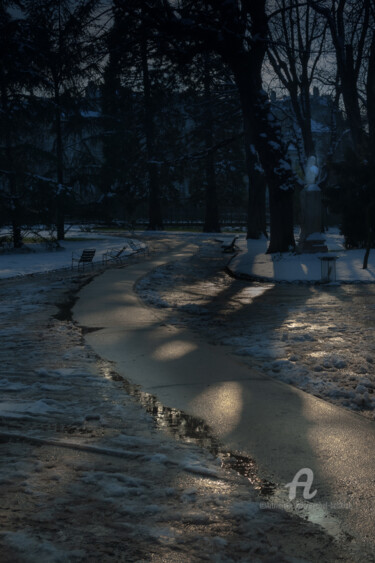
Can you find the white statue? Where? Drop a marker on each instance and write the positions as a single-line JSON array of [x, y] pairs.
[[312, 171], [311, 237]]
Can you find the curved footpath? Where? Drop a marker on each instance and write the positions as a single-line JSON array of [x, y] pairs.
[[281, 428]]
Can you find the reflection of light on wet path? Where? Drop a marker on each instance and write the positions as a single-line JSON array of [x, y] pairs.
[[194, 430], [224, 402], [174, 350]]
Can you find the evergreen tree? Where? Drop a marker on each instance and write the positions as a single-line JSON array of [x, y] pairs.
[[123, 180], [131, 45], [15, 53], [241, 43], [213, 141], [62, 34]]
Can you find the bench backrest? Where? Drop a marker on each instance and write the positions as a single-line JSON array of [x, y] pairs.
[[87, 255], [118, 254], [137, 246]]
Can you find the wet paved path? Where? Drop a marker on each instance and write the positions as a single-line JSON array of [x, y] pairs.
[[281, 427], [87, 475]]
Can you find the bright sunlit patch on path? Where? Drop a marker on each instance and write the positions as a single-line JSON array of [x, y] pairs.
[[224, 402], [174, 350]]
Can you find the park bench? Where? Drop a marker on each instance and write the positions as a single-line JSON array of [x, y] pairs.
[[230, 246], [117, 255], [85, 258], [139, 247]]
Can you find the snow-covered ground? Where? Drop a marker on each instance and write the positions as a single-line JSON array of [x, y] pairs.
[[100, 481], [291, 267], [86, 475], [39, 259], [317, 337], [252, 260]]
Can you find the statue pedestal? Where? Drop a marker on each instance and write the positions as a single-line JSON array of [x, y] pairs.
[[311, 239]]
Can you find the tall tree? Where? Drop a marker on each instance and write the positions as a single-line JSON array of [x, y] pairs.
[[348, 22], [155, 215], [211, 149], [370, 92], [6, 62], [297, 42], [131, 43], [63, 36], [123, 178], [211, 219], [14, 75], [242, 44]]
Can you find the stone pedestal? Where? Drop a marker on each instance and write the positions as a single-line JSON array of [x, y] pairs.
[[311, 238]]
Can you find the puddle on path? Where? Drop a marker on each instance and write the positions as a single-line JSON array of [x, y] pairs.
[[65, 307], [192, 430]]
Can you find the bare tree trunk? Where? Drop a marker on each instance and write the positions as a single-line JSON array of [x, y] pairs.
[[155, 215], [211, 221], [12, 180], [280, 177], [305, 123], [267, 134], [348, 66], [256, 217], [278, 174], [370, 91], [369, 212], [351, 99], [211, 218], [60, 196]]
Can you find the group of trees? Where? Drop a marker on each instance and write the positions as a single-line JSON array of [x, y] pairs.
[[45, 52], [183, 94]]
